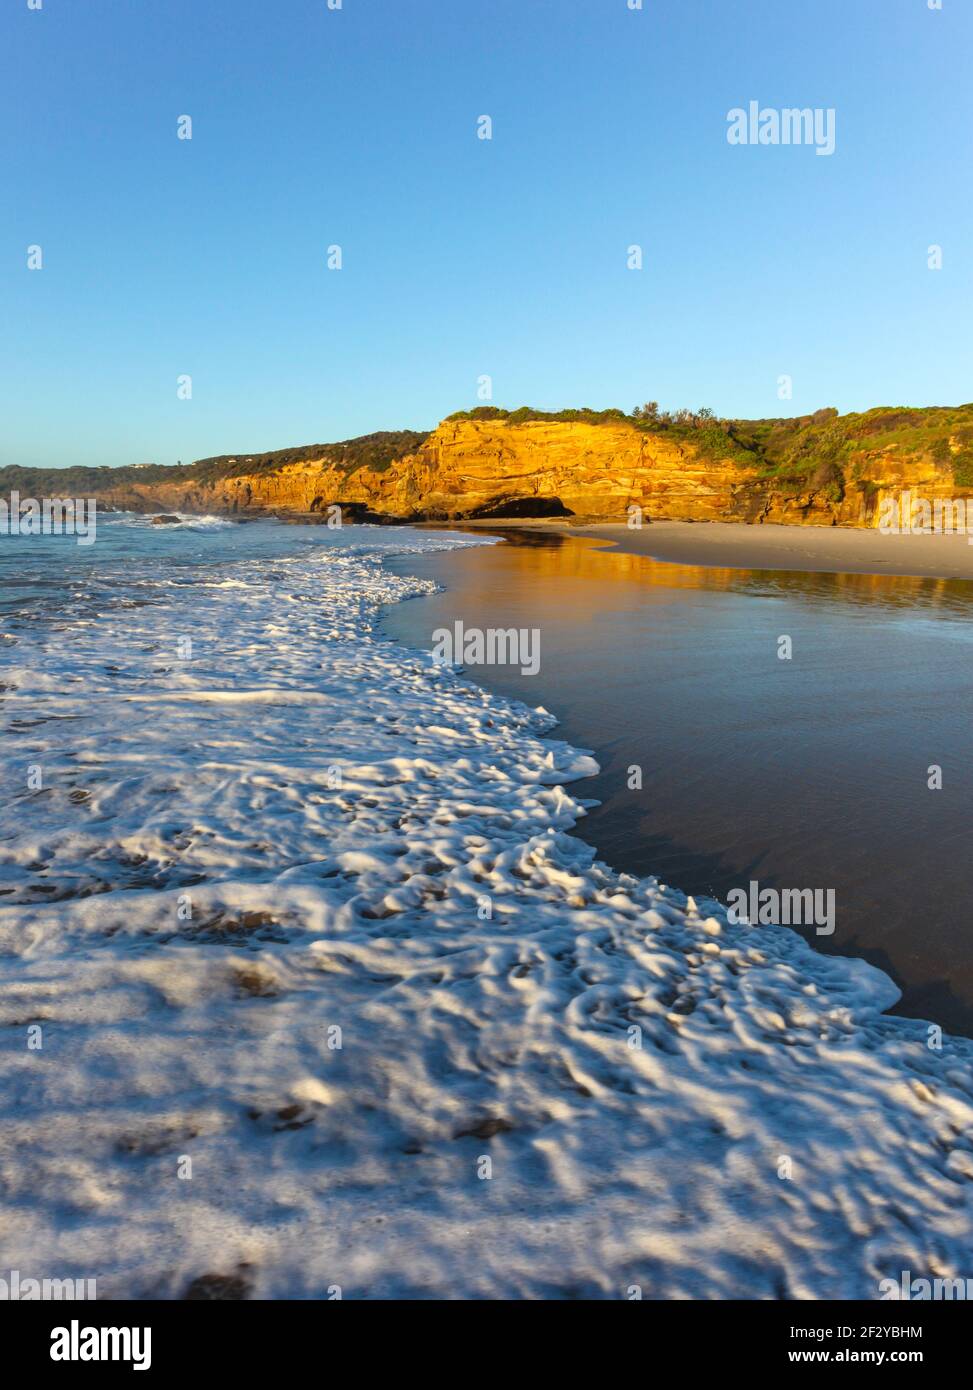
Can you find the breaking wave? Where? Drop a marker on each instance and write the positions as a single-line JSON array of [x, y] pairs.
[[296, 912]]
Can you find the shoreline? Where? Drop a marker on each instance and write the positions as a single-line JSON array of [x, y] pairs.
[[733, 545], [403, 960], [699, 851], [715, 544]]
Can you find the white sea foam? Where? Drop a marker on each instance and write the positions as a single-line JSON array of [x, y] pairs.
[[188, 521], [359, 906]]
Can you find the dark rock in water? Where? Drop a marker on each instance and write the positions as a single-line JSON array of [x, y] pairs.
[[352, 514], [486, 1128], [222, 1288], [165, 520]]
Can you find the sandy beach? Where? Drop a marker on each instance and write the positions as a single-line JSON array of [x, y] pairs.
[[818, 549], [691, 689]]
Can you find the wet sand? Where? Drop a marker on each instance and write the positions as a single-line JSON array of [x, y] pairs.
[[811, 772], [817, 549]]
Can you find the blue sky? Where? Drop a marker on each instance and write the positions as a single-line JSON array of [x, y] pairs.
[[464, 257]]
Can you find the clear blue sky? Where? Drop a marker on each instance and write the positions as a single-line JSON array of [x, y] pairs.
[[461, 256]]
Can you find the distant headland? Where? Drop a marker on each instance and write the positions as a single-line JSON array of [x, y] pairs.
[[821, 469]]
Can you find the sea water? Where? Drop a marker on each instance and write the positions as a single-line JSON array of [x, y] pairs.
[[309, 989]]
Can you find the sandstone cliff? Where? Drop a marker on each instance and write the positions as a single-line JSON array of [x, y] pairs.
[[820, 470]]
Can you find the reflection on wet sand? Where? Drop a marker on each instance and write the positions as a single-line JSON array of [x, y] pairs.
[[578, 557], [807, 773]]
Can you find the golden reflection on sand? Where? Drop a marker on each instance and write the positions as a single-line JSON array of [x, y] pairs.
[[548, 556]]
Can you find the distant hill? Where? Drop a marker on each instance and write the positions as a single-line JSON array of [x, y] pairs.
[[375, 451]]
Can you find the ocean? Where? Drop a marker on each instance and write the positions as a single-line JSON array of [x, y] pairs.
[[310, 986]]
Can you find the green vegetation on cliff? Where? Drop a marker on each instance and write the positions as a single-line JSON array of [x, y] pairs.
[[824, 451], [374, 451]]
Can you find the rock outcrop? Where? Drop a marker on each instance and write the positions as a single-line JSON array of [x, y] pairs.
[[474, 468]]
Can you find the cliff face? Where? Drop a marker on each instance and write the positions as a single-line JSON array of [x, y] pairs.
[[474, 468], [470, 467]]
